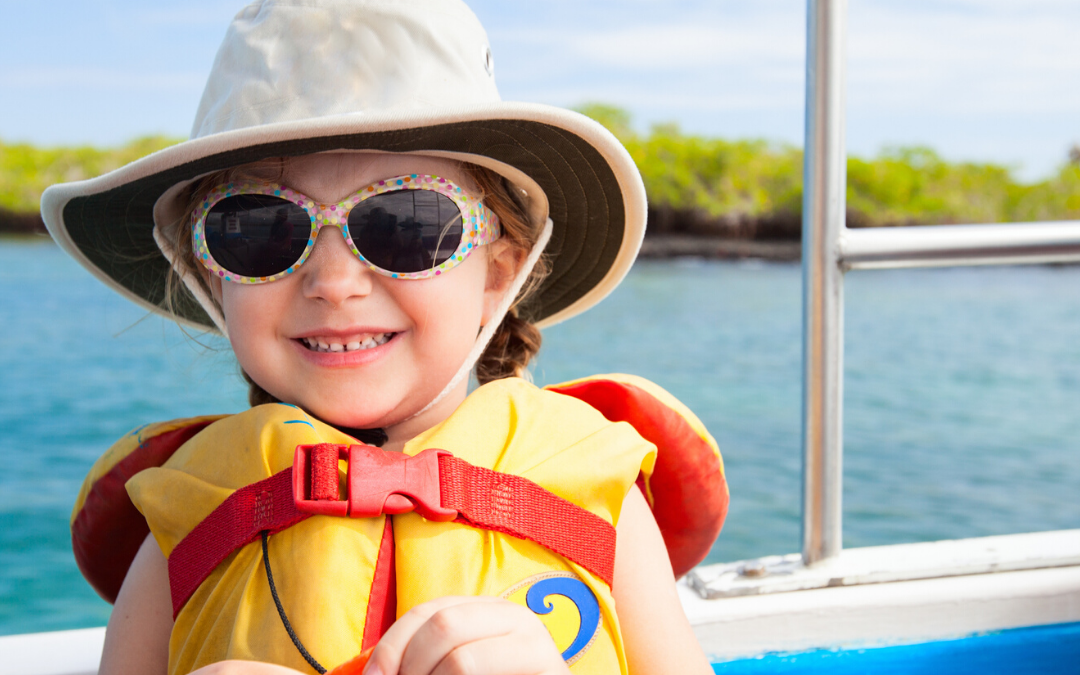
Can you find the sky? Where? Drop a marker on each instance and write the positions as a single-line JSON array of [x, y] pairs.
[[977, 80]]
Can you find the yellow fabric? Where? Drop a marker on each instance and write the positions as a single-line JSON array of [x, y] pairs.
[[324, 566]]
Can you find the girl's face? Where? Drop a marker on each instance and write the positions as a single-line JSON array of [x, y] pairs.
[[423, 329]]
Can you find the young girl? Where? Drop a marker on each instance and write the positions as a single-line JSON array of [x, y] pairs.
[[368, 224]]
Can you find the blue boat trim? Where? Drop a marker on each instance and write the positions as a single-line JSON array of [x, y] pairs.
[[1040, 649]]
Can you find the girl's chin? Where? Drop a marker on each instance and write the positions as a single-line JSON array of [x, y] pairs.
[[334, 415], [402, 416], [361, 407]]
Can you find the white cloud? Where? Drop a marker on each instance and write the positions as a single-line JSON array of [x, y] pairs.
[[87, 77], [718, 66], [700, 60], [958, 55], [1001, 61], [207, 16], [989, 80], [688, 47]]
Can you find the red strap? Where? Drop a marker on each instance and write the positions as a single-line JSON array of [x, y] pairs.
[[483, 498], [382, 600], [517, 506], [324, 472], [266, 505]]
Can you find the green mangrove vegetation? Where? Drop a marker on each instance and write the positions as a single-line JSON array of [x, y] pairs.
[[26, 170], [697, 185], [753, 188]]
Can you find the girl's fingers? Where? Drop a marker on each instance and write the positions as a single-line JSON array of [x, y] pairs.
[[454, 628], [512, 654], [354, 666], [388, 653]]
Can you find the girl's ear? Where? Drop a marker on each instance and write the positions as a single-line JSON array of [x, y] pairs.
[[504, 263]]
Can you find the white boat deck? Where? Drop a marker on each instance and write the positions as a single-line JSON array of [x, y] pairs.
[[902, 594]]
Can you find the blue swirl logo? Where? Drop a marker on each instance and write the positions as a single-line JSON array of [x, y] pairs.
[[576, 592]]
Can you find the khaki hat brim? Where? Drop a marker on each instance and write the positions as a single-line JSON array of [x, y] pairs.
[[594, 193]]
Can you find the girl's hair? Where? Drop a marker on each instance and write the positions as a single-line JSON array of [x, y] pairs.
[[516, 340]]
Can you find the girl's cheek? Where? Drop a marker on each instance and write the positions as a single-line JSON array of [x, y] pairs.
[[244, 301], [252, 315]]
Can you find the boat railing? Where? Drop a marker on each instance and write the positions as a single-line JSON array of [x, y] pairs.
[[829, 250]]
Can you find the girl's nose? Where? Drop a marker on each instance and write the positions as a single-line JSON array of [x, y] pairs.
[[332, 272]]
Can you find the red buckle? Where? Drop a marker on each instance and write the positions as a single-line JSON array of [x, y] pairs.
[[379, 482]]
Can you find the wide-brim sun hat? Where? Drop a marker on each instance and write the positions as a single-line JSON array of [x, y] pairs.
[[297, 77]]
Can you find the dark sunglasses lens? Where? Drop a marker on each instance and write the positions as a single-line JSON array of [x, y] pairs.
[[256, 235], [407, 230]]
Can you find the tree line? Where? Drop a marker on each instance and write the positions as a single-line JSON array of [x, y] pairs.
[[696, 185]]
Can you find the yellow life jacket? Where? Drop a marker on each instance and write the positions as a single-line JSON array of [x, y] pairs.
[[326, 568]]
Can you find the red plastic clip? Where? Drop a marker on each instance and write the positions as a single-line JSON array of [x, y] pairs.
[[379, 482]]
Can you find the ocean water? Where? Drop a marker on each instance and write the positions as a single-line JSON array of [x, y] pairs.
[[962, 399]]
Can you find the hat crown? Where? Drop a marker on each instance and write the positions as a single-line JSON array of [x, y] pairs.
[[290, 60]]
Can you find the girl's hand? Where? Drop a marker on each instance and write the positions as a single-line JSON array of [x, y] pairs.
[[467, 636]]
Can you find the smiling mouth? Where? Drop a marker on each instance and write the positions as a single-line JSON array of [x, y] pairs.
[[329, 344]]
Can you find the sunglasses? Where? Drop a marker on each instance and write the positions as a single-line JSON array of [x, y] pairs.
[[408, 227]]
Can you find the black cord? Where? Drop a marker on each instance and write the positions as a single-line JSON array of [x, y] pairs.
[[281, 610]]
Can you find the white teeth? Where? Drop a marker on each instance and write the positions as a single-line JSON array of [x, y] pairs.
[[318, 345]]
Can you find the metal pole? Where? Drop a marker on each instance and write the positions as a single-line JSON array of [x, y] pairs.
[[824, 187], [948, 245]]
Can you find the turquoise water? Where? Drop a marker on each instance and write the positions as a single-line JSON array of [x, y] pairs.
[[961, 398]]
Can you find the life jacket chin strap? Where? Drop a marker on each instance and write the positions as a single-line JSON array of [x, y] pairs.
[[434, 484]]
